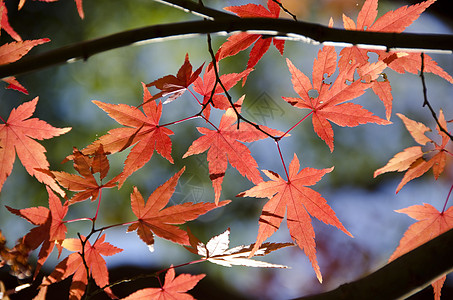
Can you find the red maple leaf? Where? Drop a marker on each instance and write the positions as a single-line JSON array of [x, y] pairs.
[[223, 145], [392, 21], [51, 227], [14, 51], [299, 202], [154, 218], [86, 185], [326, 101], [174, 288], [4, 24], [175, 86], [431, 223], [17, 136], [74, 264], [241, 41], [143, 130], [205, 86], [412, 159]]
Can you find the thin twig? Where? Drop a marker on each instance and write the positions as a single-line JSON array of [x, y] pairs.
[[426, 102], [238, 114], [286, 10]]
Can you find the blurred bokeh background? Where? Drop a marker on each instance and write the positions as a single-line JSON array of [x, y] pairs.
[[364, 205]]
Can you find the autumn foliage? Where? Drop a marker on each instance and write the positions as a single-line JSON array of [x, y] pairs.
[[325, 94]]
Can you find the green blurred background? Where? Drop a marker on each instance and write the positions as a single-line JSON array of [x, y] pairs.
[[364, 205]]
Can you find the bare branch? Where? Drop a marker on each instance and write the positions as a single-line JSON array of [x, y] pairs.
[[402, 277], [314, 33]]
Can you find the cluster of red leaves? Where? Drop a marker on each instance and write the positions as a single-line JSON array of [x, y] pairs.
[[416, 161], [392, 21], [143, 132]]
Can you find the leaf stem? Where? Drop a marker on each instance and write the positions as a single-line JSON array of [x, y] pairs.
[[446, 200], [281, 158], [194, 96], [294, 126], [180, 121], [99, 204]]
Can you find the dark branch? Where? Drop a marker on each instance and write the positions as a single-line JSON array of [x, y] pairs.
[[277, 27], [425, 97], [402, 277], [198, 9]]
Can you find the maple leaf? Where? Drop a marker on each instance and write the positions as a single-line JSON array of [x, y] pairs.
[[17, 136], [86, 185], [411, 159], [223, 146], [175, 86], [392, 21], [205, 86], [326, 101], [14, 51], [300, 202], [216, 251], [154, 218], [143, 130], [241, 41], [431, 223], [73, 264], [4, 23], [174, 288], [14, 84], [51, 227]]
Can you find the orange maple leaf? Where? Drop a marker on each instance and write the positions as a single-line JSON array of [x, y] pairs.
[[17, 136], [392, 21], [412, 159], [86, 185], [4, 23], [74, 264], [431, 223], [223, 146], [174, 288], [326, 101], [175, 86], [143, 130], [299, 202], [154, 218], [241, 41], [51, 227], [14, 51]]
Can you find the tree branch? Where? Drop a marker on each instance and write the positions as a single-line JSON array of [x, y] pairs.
[[402, 277], [299, 30]]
